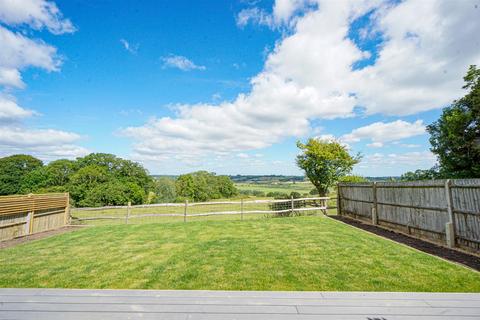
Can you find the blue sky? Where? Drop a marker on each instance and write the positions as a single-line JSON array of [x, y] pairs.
[[229, 86]]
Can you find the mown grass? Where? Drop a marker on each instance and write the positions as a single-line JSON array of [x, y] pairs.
[[301, 253]]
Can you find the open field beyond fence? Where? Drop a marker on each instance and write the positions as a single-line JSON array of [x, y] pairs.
[[220, 210], [291, 253]]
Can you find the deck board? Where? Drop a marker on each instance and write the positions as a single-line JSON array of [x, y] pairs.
[[252, 305]]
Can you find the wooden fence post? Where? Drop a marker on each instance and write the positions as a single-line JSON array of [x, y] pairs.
[[129, 205], [67, 210], [185, 211], [241, 209], [293, 205], [30, 215], [374, 207], [450, 225], [339, 200]]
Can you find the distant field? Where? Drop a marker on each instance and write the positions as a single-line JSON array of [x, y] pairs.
[[286, 187]]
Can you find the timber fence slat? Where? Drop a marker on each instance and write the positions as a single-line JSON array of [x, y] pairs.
[[22, 215], [443, 211]]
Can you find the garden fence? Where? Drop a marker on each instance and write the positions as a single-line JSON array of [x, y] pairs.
[[443, 211], [166, 212], [28, 214]]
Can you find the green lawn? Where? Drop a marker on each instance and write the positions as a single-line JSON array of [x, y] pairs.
[[301, 253]]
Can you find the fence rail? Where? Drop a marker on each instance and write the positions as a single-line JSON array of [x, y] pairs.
[[179, 211], [22, 215], [444, 211]]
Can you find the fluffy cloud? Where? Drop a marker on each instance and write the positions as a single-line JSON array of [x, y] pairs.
[[426, 48], [381, 132], [396, 163], [283, 14], [37, 14], [11, 111], [18, 136], [181, 63], [18, 52]]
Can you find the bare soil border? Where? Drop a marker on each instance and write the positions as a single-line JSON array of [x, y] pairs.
[[14, 242], [466, 259]]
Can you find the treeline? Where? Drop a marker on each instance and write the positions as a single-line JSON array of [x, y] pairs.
[[266, 178], [100, 179], [197, 186]]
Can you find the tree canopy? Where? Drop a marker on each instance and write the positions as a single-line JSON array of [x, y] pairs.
[[325, 162], [455, 136], [100, 179], [203, 186], [94, 180], [13, 169]]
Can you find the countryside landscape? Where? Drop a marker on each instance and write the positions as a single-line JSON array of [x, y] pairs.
[[272, 159]]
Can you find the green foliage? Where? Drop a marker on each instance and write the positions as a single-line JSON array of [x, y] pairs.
[[165, 190], [325, 162], [277, 206], [202, 186], [455, 136], [352, 179], [13, 169], [94, 180], [429, 174], [277, 195]]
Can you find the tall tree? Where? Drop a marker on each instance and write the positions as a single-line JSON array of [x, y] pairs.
[[324, 162], [12, 171], [455, 137]]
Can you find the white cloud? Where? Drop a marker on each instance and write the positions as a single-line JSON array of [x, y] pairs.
[[181, 63], [421, 65], [309, 75], [283, 14], [11, 111], [37, 14], [11, 77], [255, 16], [17, 52], [243, 155], [46, 144], [19, 136], [396, 163], [132, 48], [381, 132]]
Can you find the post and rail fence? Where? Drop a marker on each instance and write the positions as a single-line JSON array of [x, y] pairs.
[[22, 215], [443, 211], [192, 210]]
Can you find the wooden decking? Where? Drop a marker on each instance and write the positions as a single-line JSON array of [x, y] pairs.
[[52, 304]]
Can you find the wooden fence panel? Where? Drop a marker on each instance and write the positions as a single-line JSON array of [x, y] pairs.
[[357, 199], [466, 208], [27, 214], [420, 208]]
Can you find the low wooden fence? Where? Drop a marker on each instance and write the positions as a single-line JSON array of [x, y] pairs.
[[28, 214], [444, 211], [188, 211]]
